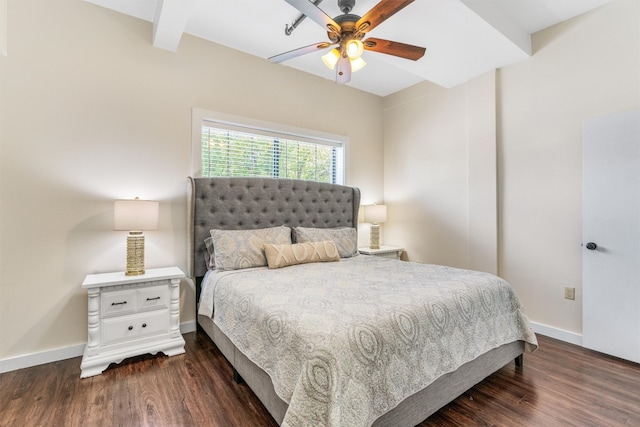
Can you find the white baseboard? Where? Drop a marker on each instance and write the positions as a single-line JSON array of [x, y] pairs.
[[559, 334], [188, 327], [28, 360], [40, 358], [35, 359]]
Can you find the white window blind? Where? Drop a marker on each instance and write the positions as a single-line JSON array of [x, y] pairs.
[[230, 149]]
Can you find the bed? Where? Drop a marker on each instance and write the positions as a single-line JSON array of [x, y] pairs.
[[349, 340]]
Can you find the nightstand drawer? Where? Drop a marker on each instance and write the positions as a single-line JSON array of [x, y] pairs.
[[132, 327], [118, 303], [153, 298]]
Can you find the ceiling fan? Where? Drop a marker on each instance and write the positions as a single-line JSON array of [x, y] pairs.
[[346, 32]]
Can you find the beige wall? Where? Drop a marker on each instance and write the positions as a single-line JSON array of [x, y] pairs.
[[586, 67], [440, 173], [90, 112]]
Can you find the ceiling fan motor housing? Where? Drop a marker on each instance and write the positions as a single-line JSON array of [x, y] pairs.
[[347, 28], [346, 6]]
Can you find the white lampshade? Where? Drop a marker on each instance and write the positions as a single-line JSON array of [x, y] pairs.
[[375, 214], [135, 215], [354, 49], [357, 64], [330, 59], [354, 53]]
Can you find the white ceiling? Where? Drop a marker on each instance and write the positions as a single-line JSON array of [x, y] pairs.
[[464, 38]]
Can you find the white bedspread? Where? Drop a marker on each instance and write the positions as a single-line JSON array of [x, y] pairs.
[[345, 342]]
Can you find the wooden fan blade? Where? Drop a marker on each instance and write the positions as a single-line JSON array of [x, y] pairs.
[[402, 50], [315, 13], [299, 52], [380, 13]]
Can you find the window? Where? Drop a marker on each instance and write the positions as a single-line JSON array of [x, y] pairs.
[[234, 146]]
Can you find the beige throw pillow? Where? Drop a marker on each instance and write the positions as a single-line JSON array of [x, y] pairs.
[[237, 249], [279, 256]]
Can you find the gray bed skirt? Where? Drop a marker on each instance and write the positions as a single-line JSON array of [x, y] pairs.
[[413, 410]]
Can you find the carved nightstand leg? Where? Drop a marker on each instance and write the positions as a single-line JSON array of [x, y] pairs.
[[94, 319], [174, 293]]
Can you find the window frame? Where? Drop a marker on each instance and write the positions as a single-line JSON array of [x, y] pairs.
[[199, 118]]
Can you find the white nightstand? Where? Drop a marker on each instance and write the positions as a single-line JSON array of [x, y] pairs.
[[132, 315], [384, 251]]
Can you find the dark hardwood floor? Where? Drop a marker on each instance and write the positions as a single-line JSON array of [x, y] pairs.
[[559, 385]]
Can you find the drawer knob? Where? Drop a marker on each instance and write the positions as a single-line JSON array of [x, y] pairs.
[[144, 325], [130, 328]]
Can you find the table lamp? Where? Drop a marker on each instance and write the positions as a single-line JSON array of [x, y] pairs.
[[135, 216], [375, 214]]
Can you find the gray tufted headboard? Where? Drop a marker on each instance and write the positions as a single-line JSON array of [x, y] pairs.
[[250, 203]]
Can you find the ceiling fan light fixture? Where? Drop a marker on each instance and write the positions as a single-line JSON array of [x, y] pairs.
[[330, 59], [357, 64], [354, 49], [346, 31]]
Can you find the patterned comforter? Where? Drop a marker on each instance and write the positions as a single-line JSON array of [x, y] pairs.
[[345, 342]]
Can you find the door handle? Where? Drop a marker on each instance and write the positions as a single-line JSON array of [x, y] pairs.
[[592, 246]]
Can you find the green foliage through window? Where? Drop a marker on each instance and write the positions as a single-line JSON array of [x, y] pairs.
[[235, 153]]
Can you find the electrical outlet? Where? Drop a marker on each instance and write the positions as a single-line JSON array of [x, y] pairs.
[[570, 293]]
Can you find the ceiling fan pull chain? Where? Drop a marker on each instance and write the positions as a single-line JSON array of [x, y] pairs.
[[288, 29]]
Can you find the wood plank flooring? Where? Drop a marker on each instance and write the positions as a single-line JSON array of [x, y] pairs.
[[559, 385]]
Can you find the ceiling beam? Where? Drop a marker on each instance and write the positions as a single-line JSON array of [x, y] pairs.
[[492, 14], [169, 23]]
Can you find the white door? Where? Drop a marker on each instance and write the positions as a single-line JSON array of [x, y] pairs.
[[611, 235]]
